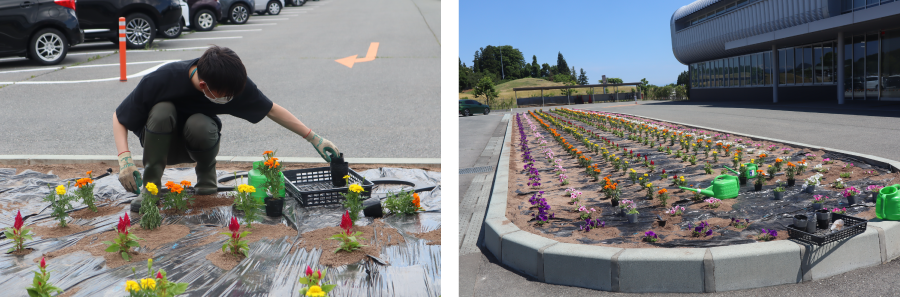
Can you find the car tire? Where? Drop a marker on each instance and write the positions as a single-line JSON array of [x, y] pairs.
[[139, 31], [174, 31], [466, 112], [239, 14], [298, 2], [487, 111], [48, 47], [204, 20], [273, 7]]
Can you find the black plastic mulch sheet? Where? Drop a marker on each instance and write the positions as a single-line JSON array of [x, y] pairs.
[[759, 207], [413, 268]]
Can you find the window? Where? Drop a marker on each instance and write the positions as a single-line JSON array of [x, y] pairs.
[[735, 72], [760, 69], [827, 63], [726, 73], [789, 66], [807, 65], [798, 65], [782, 77], [818, 65], [730, 7], [767, 68], [746, 74]]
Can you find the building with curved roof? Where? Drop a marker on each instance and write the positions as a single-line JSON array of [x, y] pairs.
[[818, 50]]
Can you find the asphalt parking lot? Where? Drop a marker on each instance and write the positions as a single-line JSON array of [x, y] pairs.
[[384, 108]]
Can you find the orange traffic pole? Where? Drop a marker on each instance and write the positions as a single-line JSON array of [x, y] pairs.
[[122, 60]]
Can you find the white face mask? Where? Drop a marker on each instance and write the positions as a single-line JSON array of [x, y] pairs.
[[219, 100]]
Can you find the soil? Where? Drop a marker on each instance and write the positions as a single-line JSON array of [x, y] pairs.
[[223, 260], [433, 237], [55, 231], [376, 236], [23, 252], [69, 293], [564, 227], [259, 231], [67, 171], [86, 213], [203, 202], [151, 240]]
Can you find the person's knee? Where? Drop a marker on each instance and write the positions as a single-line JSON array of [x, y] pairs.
[[163, 118], [200, 132]]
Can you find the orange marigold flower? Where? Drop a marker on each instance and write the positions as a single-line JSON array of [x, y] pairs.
[[89, 172], [791, 164], [416, 200], [759, 171], [267, 152], [170, 185], [778, 160], [185, 183], [663, 191], [176, 189]]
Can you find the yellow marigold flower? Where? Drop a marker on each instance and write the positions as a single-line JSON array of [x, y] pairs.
[[347, 176], [132, 286], [152, 188], [355, 188], [315, 291], [148, 283], [61, 190], [649, 184], [646, 174], [246, 189]]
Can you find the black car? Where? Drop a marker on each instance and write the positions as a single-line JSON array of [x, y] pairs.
[[143, 18], [42, 31]]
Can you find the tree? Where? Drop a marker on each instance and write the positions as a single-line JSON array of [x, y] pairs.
[[684, 79], [615, 80], [643, 87], [545, 70], [582, 78], [553, 71], [572, 73], [463, 76], [512, 65], [485, 87], [535, 68], [563, 78], [561, 64]]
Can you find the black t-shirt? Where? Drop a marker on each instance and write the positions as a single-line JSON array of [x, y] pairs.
[[172, 83]]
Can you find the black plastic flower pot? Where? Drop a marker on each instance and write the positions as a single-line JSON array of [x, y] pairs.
[[274, 207], [757, 187], [372, 208], [779, 195], [800, 221], [816, 206], [810, 225], [791, 182], [632, 218], [339, 169], [851, 200], [874, 197], [810, 188], [614, 202], [743, 180], [823, 218], [662, 223]]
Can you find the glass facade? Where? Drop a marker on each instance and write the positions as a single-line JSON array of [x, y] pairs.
[[807, 65], [854, 5], [753, 70]]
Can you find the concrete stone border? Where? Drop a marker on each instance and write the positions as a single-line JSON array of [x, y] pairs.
[[682, 270], [84, 159]]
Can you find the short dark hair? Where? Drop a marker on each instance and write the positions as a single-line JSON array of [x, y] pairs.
[[222, 70]]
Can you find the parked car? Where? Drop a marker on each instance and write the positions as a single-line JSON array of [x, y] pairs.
[[467, 107], [236, 11], [204, 14], [143, 18], [296, 2], [272, 7], [175, 31], [41, 31]]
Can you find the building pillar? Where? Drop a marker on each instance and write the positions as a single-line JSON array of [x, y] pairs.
[[542, 97], [840, 68], [775, 73]]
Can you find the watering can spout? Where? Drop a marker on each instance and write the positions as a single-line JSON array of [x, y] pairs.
[[732, 170], [705, 192]]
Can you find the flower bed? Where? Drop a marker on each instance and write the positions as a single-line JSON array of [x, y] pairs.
[[587, 162]]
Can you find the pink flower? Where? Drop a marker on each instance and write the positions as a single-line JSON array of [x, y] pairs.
[[43, 263], [309, 271]]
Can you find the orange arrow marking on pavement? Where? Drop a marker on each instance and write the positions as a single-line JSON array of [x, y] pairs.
[[370, 55]]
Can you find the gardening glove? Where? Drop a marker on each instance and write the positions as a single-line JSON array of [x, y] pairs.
[[126, 172], [322, 145]]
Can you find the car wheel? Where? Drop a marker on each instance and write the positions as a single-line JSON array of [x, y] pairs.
[[239, 14], [175, 31], [48, 47], [487, 111], [298, 2], [273, 8], [139, 31], [204, 20], [466, 112]]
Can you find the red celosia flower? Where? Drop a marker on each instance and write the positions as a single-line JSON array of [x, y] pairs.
[[319, 272], [159, 275], [346, 223], [18, 224], [664, 171], [122, 228], [309, 270], [651, 163], [43, 263], [234, 226], [127, 220]]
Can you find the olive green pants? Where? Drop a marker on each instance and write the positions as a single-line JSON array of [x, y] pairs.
[[196, 132]]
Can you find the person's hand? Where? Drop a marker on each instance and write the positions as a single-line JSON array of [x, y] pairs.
[[323, 146], [126, 172]]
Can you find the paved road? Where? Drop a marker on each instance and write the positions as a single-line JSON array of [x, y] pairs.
[[385, 108], [854, 127]]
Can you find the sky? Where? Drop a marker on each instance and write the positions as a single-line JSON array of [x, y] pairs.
[[628, 39]]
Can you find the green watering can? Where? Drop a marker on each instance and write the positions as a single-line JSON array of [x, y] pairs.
[[256, 179], [751, 170], [723, 187], [887, 205]]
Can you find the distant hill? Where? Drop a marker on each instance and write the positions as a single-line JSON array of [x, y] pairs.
[[506, 89]]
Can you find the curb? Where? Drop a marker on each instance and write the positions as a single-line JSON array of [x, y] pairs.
[[84, 159], [684, 270]]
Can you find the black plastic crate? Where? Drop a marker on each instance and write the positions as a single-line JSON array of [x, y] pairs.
[[852, 227], [312, 186]]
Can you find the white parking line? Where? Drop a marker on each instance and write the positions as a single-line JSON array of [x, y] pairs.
[[139, 74], [85, 66], [253, 24], [225, 31], [273, 19], [141, 51], [204, 38]]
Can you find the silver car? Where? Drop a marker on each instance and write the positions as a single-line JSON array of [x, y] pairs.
[[272, 7]]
